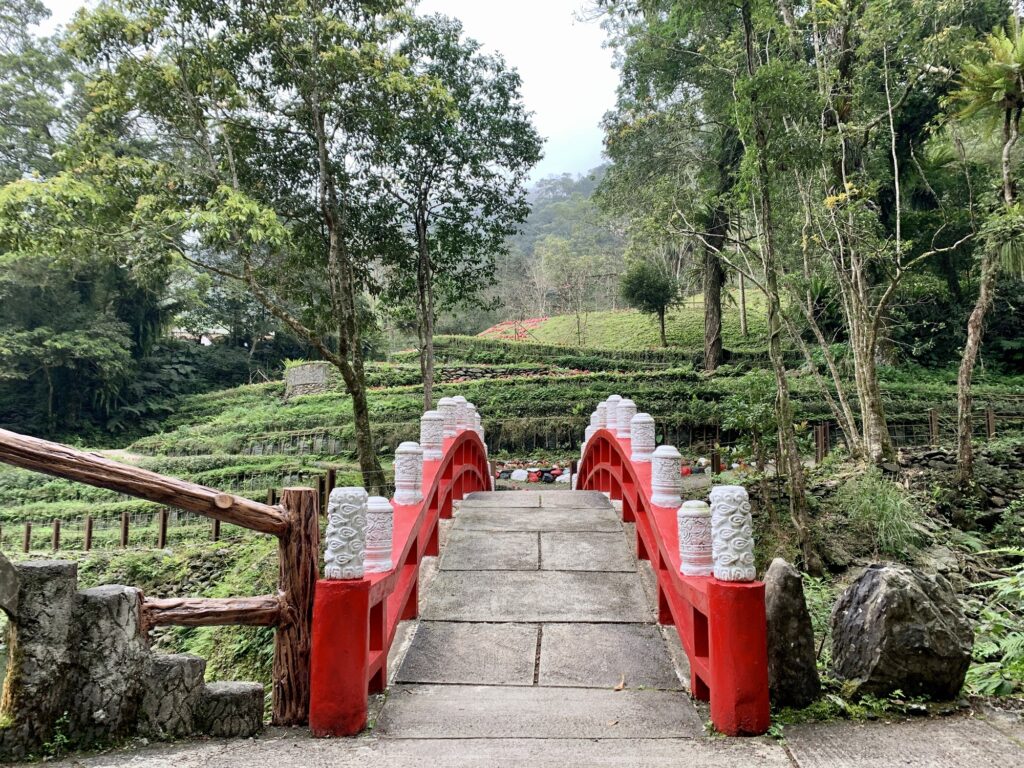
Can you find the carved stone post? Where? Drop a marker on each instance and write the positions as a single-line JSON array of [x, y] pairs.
[[624, 415], [601, 412], [666, 481], [447, 406], [694, 519], [346, 534], [380, 520], [641, 436], [732, 533], [408, 474], [461, 413], [432, 435], [612, 415]]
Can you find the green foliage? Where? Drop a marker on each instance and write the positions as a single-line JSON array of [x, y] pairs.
[[882, 510], [650, 288], [998, 667]]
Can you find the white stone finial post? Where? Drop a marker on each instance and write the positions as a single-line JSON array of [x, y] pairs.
[[601, 412], [666, 480], [641, 436], [380, 528], [732, 533], [346, 533], [624, 415], [612, 416], [432, 435], [447, 406], [408, 474], [461, 413], [694, 519]]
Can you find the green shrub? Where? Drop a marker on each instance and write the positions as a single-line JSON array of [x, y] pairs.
[[883, 510], [998, 667]]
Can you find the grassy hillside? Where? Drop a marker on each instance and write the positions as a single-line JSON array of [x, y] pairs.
[[631, 330]]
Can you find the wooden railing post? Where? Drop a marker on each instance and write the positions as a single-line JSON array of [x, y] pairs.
[[933, 426], [88, 532], [216, 530], [26, 541], [161, 540], [298, 553], [55, 535], [124, 530]]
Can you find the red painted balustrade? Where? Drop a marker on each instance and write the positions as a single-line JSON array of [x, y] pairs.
[[721, 624], [354, 620]]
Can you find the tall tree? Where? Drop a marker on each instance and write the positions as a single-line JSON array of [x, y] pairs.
[[456, 166], [650, 288], [992, 86], [264, 113]]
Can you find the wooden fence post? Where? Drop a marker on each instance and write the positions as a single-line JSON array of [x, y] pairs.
[[88, 532], [124, 530], [55, 535], [161, 541], [332, 480], [26, 541], [216, 530], [933, 426], [716, 462], [299, 556], [271, 496], [990, 423], [321, 491]]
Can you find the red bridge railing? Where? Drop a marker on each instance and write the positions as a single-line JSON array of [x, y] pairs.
[[721, 624], [355, 620]]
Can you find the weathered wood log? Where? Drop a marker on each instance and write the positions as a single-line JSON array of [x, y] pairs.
[[299, 558], [262, 611], [62, 461]]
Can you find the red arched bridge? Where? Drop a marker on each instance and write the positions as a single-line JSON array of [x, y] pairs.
[[536, 603]]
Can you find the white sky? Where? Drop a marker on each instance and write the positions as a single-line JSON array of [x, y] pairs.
[[568, 79]]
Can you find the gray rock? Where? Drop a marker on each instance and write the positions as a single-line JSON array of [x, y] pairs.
[[9, 582], [792, 663], [896, 628], [231, 710]]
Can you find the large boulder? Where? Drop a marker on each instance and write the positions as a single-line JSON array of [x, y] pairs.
[[896, 628], [792, 663]]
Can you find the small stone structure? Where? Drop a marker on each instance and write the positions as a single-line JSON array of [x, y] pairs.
[[380, 527], [81, 669], [310, 379], [345, 547], [732, 533], [792, 662], [666, 480], [694, 522]]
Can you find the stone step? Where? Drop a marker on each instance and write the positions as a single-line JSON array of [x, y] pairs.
[[459, 711], [231, 710], [172, 695]]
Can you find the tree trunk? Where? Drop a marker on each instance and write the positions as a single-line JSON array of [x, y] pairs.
[[714, 275], [743, 307], [874, 426], [425, 310], [661, 327], [964, 399], [798, 508]]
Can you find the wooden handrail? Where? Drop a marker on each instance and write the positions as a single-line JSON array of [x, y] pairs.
[[262, 611], [90, 468]]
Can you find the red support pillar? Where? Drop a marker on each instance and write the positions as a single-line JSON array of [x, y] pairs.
[[340, 657], [739, 658]]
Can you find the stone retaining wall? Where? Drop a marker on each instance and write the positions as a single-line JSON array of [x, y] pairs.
[[81, 671]]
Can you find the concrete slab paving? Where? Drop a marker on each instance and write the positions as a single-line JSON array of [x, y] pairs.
[[457, 711], [502, 499], [529, 519], [477, 654], [575, 500], [491, 551], [535, 596], [585, 551], [293, 748], [634, 655], [919, 743]]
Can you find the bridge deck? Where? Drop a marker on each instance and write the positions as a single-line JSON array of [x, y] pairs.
[[537, 625]]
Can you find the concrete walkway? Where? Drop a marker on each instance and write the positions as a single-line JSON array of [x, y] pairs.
[[537, 645]]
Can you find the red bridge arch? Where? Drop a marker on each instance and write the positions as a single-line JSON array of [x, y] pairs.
[[721, 624], [354, 620]]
